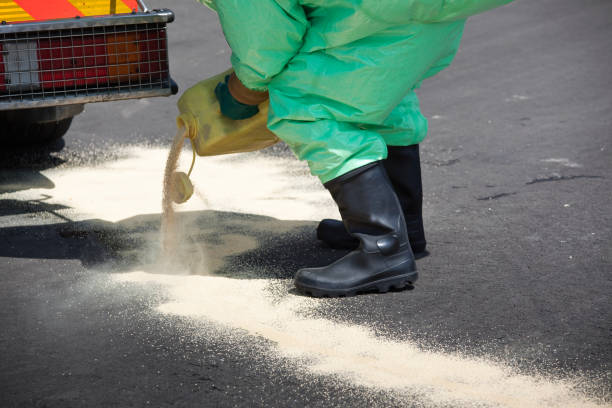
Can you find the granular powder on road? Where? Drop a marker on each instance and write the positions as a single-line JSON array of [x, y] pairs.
[[248, 183], [351, 351], [281, 188]]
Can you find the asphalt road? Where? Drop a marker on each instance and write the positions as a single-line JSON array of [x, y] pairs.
[[518, 212]]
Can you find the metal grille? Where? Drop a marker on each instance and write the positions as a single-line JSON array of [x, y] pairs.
[[97, 63]]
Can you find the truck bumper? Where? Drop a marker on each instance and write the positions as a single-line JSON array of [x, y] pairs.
[[81, 60]]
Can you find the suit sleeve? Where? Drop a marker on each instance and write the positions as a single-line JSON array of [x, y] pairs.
[[263, 35]]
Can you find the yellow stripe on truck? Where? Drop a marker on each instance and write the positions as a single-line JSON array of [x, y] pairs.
[[10, 11], [100, 7]]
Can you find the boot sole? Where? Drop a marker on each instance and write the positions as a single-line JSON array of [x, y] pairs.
[[380, 286]]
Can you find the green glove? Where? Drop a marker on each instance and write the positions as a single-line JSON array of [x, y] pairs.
[[230, 107]]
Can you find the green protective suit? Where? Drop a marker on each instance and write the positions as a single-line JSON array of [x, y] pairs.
[[342, 74]]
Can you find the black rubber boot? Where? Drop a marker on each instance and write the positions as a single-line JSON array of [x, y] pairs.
[[372, 215], [403, 166]]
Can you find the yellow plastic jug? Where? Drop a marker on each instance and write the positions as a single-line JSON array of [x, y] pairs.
[[212, 134]]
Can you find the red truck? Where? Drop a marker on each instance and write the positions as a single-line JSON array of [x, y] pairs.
[[57, 55]]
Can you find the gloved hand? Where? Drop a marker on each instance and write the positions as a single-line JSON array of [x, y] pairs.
[[236, 101]]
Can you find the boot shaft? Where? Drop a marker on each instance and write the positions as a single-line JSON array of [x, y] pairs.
[[403, 166], [370, 208]]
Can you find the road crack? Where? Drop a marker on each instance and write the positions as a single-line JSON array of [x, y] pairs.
[[496, 196], [557, 177]]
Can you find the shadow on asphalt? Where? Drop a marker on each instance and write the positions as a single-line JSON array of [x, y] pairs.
[[24, 207], [25, 164], [222, 243]]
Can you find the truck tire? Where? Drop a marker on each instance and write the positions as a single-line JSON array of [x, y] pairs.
[[33, 133], [30, 127]]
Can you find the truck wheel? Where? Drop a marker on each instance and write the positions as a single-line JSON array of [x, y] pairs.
[[24, 133], [36, 126]]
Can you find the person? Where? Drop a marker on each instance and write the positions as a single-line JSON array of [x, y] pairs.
[[341, 77]]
